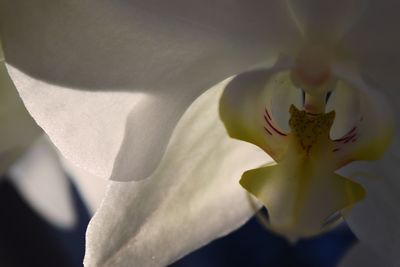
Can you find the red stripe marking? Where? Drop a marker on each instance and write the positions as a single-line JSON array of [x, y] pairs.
[[270, 124], [273, 128], [352, 130], [266, 111], [265, 128], [346, 136], [349, 138]]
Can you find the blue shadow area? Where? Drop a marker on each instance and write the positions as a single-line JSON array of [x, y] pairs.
[[252, 245], [27, 240]]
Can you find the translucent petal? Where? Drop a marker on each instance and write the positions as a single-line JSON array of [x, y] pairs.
[[255, 108], [41, 180], [193, 197], [108, 81]]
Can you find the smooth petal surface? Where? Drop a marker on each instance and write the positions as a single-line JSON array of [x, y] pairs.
[[134, 67], [379, 61], [41, 180], [325, 21], [374, 44], [375, 221], [193, 197], [362, 255]]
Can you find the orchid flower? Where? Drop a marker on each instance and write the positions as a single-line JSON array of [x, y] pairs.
[[108, 82]]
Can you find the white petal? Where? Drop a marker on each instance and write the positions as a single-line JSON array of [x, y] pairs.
[[40, 179], [134, 67], [193, 197], [374, 44], [325, 21], [376, 220], [376, 50], [362, 255]]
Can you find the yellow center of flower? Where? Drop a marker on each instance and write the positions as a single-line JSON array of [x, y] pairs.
[[302, 191], [310, 130]]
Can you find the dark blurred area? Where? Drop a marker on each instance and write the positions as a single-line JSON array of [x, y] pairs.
[[27, 240], [252, 245]]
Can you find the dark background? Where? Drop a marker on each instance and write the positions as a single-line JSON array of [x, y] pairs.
[[26, 240]]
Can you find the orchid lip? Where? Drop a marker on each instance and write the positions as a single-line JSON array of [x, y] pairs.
[[303, 193]]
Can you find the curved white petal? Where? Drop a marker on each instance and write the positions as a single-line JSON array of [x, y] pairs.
[[41, 180], [193, 197], [375, 220], [108, 81], [362, 255]]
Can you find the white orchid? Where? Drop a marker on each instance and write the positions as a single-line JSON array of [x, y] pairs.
[[109, 80]]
